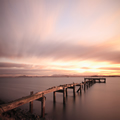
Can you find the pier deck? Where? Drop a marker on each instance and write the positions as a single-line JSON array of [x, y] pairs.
[[40, 95]]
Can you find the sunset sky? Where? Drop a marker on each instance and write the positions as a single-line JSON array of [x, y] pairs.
[[66, 37]]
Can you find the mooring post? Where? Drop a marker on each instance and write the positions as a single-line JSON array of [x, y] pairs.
[[43, 106], [64, 95], [54, 96], [31, 104]]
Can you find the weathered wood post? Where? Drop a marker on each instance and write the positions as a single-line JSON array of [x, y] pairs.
[[99, 80], [104, 80], [84, 86], [31, 104], [43, 106], [87, 85], [66, 92], [54, 96], [74, 90], [64, 95], [80, 88]]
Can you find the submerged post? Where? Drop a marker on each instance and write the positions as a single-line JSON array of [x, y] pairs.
[[43, 106], [31, 104]]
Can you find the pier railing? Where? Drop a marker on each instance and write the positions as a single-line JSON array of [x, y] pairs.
[[40, 95]]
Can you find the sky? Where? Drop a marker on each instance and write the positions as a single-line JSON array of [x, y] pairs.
[[59, 37]]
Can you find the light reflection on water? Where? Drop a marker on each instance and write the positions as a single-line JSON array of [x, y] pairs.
[[99, 102]]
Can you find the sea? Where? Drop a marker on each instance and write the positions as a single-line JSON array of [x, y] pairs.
[[101, 101]]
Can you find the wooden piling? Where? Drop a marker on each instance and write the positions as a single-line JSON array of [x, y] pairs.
[[31, 104], [87, 85], [54, 96], [43, 106], [81, 88], [74, 90], [84, 86], [104, 80], [64, 95], [66, 92]]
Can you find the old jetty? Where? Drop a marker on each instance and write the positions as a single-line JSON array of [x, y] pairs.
[[41, 95]]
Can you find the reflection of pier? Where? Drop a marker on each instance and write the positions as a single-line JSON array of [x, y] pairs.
[[40, 95]]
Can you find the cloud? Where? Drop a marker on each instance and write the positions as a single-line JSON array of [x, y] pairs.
[[61, 51], [110, 68], [58, 31]]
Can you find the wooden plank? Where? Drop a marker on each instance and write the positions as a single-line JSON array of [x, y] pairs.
[[59, 91], [40, 99], [70, 87]]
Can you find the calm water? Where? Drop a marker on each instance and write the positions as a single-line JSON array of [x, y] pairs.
[[99, 102]]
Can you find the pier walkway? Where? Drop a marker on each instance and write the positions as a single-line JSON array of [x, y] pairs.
[[41, 95]]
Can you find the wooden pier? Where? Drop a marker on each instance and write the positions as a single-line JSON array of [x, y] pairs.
[[40, 96]]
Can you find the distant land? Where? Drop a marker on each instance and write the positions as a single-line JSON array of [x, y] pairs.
[[30, 76]]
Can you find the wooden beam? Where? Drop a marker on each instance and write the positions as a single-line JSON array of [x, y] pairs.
[[59, 91], [40, 99]]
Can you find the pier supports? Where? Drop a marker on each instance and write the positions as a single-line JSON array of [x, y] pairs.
[[64, 91], [94, 80], [42, 99], [80, 89]]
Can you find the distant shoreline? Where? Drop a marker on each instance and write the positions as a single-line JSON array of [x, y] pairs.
[[25, 76]]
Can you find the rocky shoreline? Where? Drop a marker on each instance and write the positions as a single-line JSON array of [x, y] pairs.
[[19, 114]]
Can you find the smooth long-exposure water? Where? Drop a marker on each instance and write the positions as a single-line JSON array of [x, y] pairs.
[[101, 101]]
